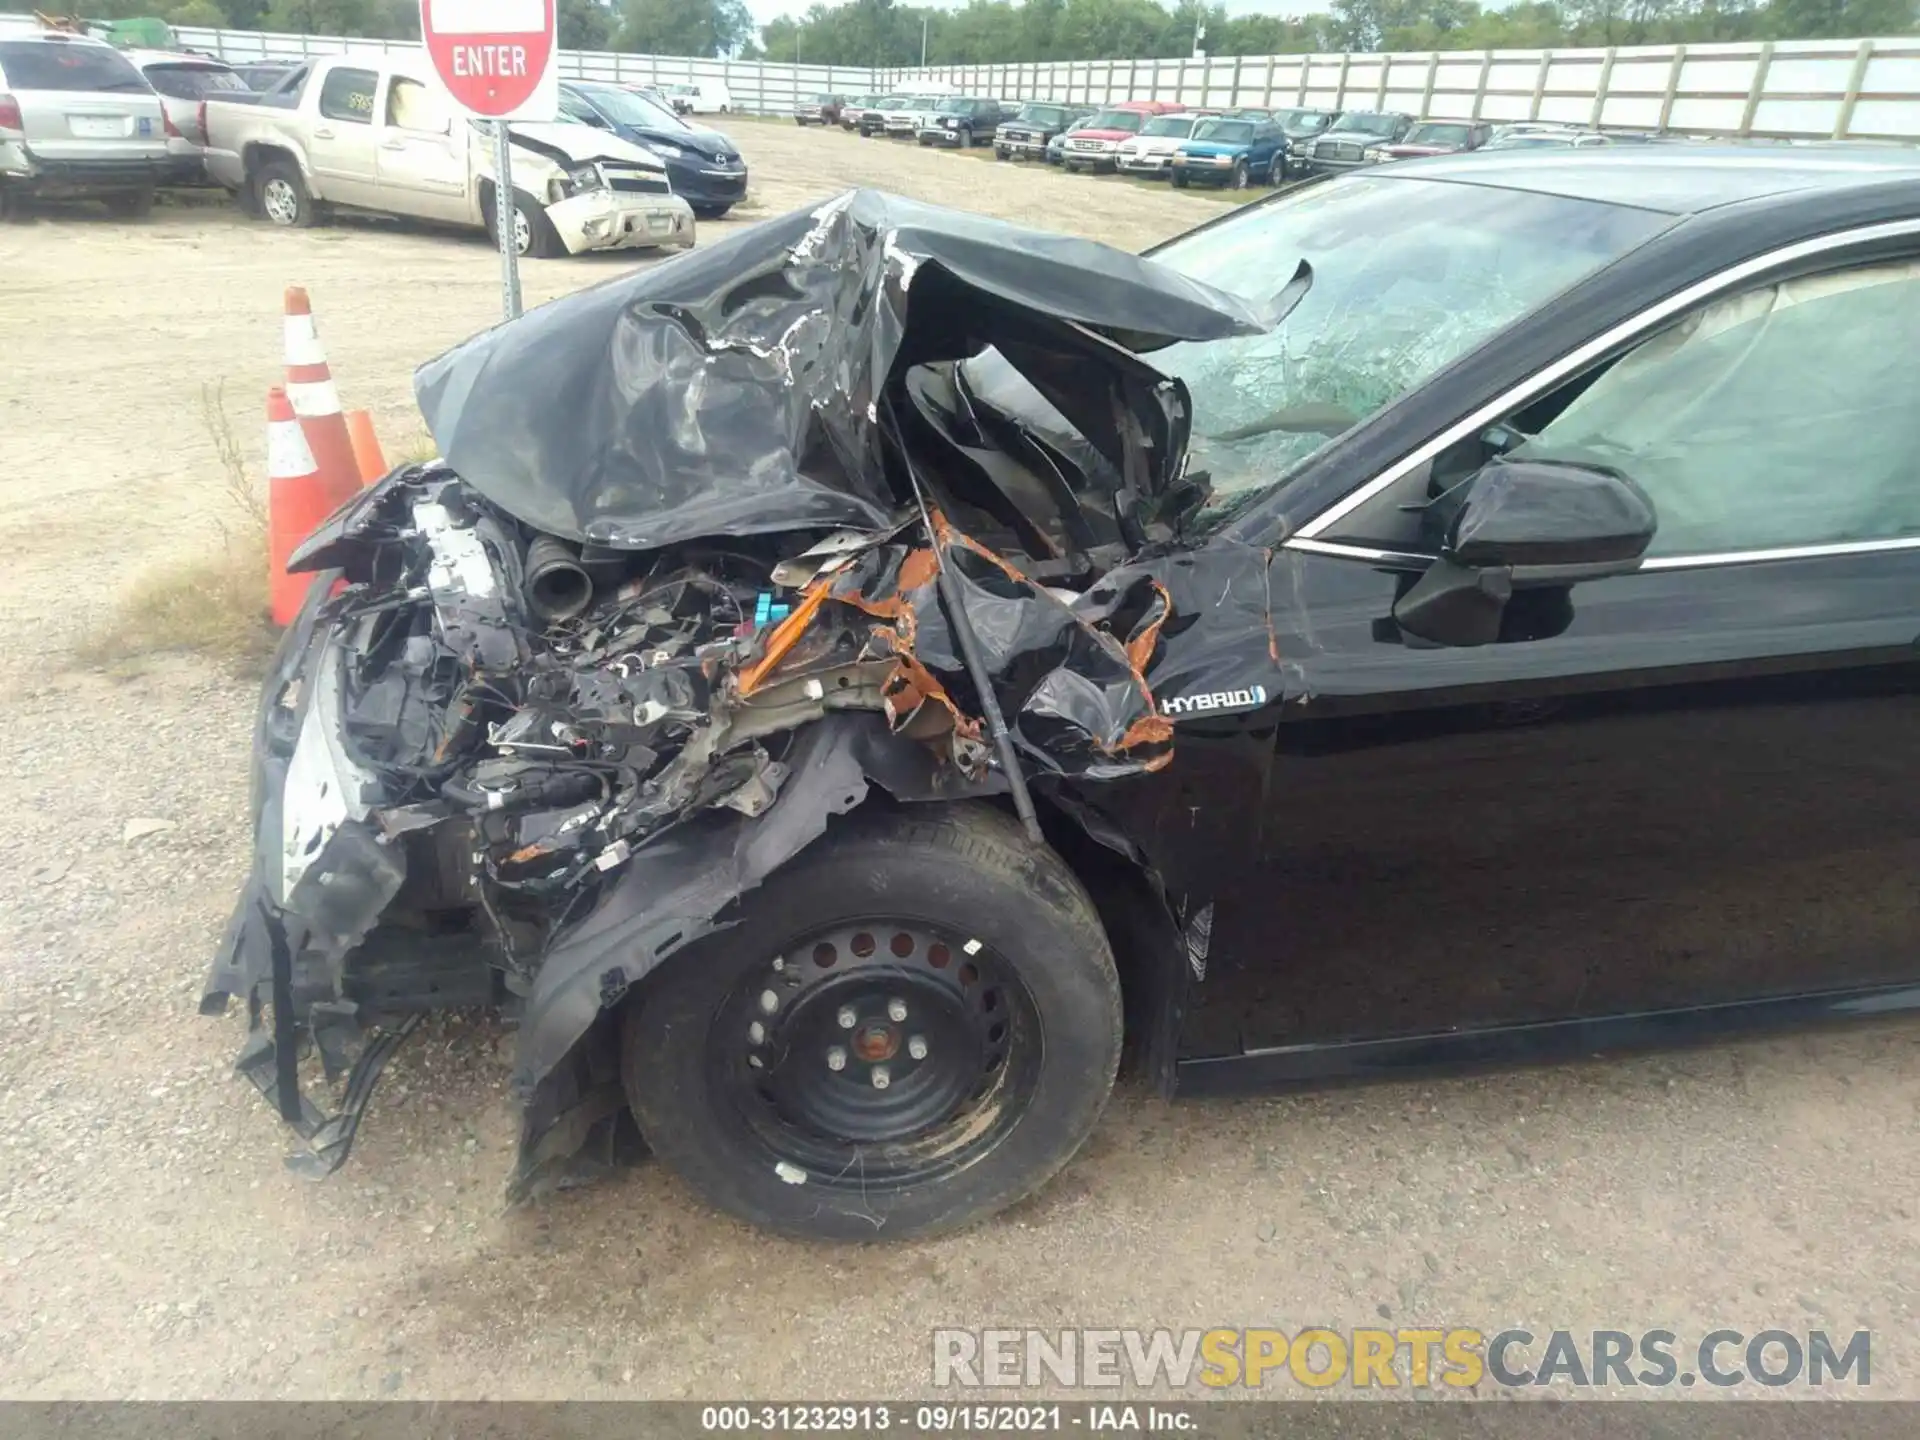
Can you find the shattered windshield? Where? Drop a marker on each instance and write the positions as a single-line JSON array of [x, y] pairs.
[[1408, 275]]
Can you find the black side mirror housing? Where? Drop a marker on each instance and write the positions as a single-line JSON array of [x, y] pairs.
[[1517, 524]]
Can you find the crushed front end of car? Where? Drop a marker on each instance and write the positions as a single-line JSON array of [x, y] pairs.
[[711, 551]]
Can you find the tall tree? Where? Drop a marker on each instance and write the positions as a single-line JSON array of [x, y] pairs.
[[583, 24], [684, 27]]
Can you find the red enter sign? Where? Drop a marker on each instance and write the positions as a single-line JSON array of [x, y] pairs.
[[492, 55]]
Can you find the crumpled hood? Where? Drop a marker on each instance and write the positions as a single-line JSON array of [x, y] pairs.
[[743, 388], [580, 143]]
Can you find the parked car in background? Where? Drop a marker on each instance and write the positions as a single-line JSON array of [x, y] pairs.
[[1150, 152], [369, 132], [263, 75], [1232, 153], [1301, 125], [182, 82], [1348, 141], [963, 121], [1096, 144], [1434, 137], [1033, 128], [872, 119], [851, 112], [705, 166], [1056, 151], [819, 110], [78, 120], [903, 121], [1543, 137], [698, 97]]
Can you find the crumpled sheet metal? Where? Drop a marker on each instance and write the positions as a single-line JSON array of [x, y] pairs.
[[1070, 677], [736, 389]]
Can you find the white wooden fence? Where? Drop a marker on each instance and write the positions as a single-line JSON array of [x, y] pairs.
[[1807, 89], [757, 87]]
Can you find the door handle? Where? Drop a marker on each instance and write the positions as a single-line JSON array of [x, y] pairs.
[[393, 144], [322, 132]]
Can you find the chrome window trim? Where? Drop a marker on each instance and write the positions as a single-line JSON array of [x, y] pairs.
[[1706, 561], [1580, 357]]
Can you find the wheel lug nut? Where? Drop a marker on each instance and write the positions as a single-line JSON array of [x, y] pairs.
[[896, 1010], [881, 1078], [846, 1017], [917, 1047], [769, 1001], [756, 1032], [836, 1058]]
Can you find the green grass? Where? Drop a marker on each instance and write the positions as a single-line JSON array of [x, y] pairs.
[[213, 603]]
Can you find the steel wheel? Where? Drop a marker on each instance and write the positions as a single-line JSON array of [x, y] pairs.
[[522, 232], [1240, 178], [876, 1054]]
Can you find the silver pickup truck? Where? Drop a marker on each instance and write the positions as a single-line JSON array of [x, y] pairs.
[[371, 132]]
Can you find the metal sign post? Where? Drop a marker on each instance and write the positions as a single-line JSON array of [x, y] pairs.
[[506, 222], [494, 59]]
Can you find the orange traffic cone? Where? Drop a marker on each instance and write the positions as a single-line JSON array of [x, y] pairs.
[[297, 501], [316, 400], [366, 446]]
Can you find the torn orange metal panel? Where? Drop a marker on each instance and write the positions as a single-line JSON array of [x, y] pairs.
[[784, 636]]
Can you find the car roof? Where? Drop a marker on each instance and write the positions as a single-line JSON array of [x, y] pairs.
[[1679, 179], [175, 57], [52, 37]]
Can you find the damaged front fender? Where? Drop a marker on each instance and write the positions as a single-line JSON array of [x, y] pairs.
[[872, 495]]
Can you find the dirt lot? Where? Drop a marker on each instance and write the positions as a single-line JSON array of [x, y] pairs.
[[151, 1245]]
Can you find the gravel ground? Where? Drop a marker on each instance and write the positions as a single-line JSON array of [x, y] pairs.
[[151, 1245]]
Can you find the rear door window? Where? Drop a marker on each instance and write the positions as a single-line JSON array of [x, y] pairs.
[[193, 82], [348, 95], [48, 65]]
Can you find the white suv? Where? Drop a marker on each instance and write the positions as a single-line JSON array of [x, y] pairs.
[[77, 118]]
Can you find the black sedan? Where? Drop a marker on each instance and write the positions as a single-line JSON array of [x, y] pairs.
[[1463, 611], [703, 166]]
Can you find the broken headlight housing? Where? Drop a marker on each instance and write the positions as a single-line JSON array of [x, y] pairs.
[[579, 180]]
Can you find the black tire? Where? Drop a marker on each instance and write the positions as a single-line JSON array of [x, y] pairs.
[[280, 196], [1179, 180], [130, 204], [1044, 978], [966, 137], [798, 121], [13, 205], [542, 240], [1240, 178], [1000, 152], [710, 212]]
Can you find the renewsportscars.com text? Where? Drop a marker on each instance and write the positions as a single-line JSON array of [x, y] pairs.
[[1459, 1358]]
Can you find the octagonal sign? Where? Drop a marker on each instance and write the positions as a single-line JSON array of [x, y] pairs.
[[495, 58]]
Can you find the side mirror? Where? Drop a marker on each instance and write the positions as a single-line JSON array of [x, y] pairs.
[[1522, 524]]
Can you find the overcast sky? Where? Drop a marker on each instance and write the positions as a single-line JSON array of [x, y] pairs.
[[765, 10]]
